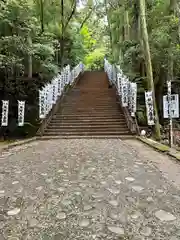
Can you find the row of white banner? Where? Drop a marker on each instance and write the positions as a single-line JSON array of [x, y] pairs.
[[126, 90], [47, 96], [174, 106], [5, 113], [52, 91]]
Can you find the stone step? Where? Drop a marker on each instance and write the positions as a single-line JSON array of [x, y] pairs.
[[90, 110], [89, 133], [87, 122], [86, 127], [79, 122], [122, 137], [86, 109], [105, 99], [96, 90], [90, 116], [83, 105], [89, 113], [95, 93], [90, 102], [91, 106]]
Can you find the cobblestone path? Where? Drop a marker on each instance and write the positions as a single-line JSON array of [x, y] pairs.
[[88, 189]]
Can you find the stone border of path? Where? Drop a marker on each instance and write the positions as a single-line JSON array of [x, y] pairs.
[[38, 138], [17, 143], [155, 145], [161, 147]]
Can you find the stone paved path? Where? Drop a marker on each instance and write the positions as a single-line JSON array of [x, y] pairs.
[[88, 189]]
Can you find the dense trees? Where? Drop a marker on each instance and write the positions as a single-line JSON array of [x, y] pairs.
[[38, 37], [129, 45]]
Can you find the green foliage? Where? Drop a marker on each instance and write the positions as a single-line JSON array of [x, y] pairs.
[[78, 50], [95, 59], [88, 41], [36, 39], [127, 45], [18, 24], [131, 56]]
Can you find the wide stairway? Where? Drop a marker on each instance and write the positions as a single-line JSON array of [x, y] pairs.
[[90, 109]]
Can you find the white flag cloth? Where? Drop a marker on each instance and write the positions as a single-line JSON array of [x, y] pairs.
[[5, 111], [133, 99], [50, 93], [21, 111], [42, 107], [59, 85], [124, 92], [119, 84], [149, 108]]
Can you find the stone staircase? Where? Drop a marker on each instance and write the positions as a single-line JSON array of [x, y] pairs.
[[89, 110]]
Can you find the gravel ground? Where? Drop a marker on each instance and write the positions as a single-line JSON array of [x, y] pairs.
[[88, 189]]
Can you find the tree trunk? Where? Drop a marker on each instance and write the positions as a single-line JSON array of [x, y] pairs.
[[42, 15], [127, 26], [62, 36], [172, 8], [149, 64], [159, 87], [30, 58], [120, 60], [136, 25], [178, 14], [109, 27]]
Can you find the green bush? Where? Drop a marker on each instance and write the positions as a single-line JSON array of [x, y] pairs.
[[95, 59]]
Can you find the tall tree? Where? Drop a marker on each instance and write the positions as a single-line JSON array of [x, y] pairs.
[[149, 71]]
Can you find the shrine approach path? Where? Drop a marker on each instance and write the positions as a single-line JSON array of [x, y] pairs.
[[88, 189]]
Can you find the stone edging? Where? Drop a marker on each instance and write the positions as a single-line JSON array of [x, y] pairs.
[[17, 143], [161, 147], [155, 145]]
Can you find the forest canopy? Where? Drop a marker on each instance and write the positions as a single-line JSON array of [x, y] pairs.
[[39, 37]]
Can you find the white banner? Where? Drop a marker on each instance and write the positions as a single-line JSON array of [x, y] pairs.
[[149, 108], [129, 95], [21, 110], [174, 106], [54, 90], [124, 92], [5, 111], [42, 106], [119, 85], [126, 89], [133, 99], [46, 90], [62, 82], [59, 85], [49, 95]]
